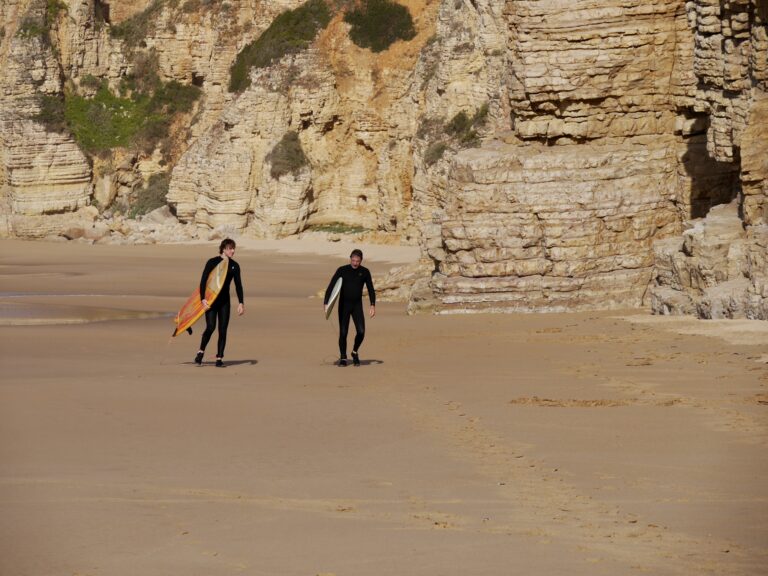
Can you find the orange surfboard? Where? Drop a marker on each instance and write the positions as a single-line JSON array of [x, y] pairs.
[[193, 307]]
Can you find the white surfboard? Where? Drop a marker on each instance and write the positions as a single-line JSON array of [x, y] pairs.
[[332, 300]]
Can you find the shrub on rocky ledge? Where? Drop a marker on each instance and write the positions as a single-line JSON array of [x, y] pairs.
[[287, 157], [32, 28], [104, 121], [434, 152], [108, 120], [152, 196], [377, 24], [464, 127], [134, 30], [461, 132], [291, 32], [337, 228], [51, 114]]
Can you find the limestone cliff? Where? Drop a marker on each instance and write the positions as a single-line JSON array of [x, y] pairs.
[[601, 156], [42, 174], [545, 154], [351, 111], [718, 268]]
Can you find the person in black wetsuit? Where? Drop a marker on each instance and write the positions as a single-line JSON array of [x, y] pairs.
[[354, 277], [220, 308]]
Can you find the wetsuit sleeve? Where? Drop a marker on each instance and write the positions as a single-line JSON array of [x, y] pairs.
[[369, 285], [238, 285], [330, 285], [209, 266]]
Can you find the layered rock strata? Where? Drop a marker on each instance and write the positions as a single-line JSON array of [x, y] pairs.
[[731, 67], [566, 227], [43, 174], [354, 122], [601, 158], [591, 129], [717, 269], [224, 180]]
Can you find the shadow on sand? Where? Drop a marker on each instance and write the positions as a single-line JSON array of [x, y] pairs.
[[226, 363], [363, 362]]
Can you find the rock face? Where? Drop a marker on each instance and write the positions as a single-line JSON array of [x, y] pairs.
[[545, 154], [731, 67], [224, 180], [41, 172], [602, 157], [354, 121], [718, 268]]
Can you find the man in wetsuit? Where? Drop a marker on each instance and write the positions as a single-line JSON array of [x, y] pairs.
[[220, 308], [354, 277]]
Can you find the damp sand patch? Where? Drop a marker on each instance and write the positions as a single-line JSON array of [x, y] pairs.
[[28, 311]]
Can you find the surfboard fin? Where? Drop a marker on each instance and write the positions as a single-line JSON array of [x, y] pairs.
[[189, 330]]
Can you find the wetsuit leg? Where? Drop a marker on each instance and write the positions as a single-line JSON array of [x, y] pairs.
[[345, 310], [358, 316], [210, 326], [223, 325]]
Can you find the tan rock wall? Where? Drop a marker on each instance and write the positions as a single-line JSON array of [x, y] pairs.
[[560, 207], [731, 66], [718, 269], [120, 10], [553, 228], [587, 69], [611, 124], [42, 172], [352, 112], [754, 162], [224, 180]]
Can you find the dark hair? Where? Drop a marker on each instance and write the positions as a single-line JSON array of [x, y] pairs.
[[357, 252], [226, 243]]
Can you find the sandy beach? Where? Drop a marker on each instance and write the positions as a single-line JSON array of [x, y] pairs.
[[605, 443]]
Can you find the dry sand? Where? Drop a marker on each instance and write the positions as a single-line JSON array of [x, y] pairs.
[[579, 444]]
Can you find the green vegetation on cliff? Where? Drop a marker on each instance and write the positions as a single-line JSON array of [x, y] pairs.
[[52, 9], [287, 157], [337, 228], [133, 30], [152, 196], [291, 32], [51, 113], [104, 121], [464, 127], [33, 28], [108, 120], [377, 24], [461, 131], [40, 18], [434, 152]]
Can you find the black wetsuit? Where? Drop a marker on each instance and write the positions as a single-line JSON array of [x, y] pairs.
[[221, 306], [351, 302]]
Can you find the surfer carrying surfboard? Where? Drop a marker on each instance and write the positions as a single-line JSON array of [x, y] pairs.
[[220, 308], [354, 277]]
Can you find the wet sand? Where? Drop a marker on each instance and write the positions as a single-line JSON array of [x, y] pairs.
[[583, 444]]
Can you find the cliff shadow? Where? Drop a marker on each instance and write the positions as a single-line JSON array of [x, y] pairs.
[[711, 182]]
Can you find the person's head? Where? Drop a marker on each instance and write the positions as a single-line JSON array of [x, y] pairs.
[[227, 247], [356, 258]]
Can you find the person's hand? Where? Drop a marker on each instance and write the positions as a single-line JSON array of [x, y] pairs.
[[372, 311], [240, 309], [206, 305]]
